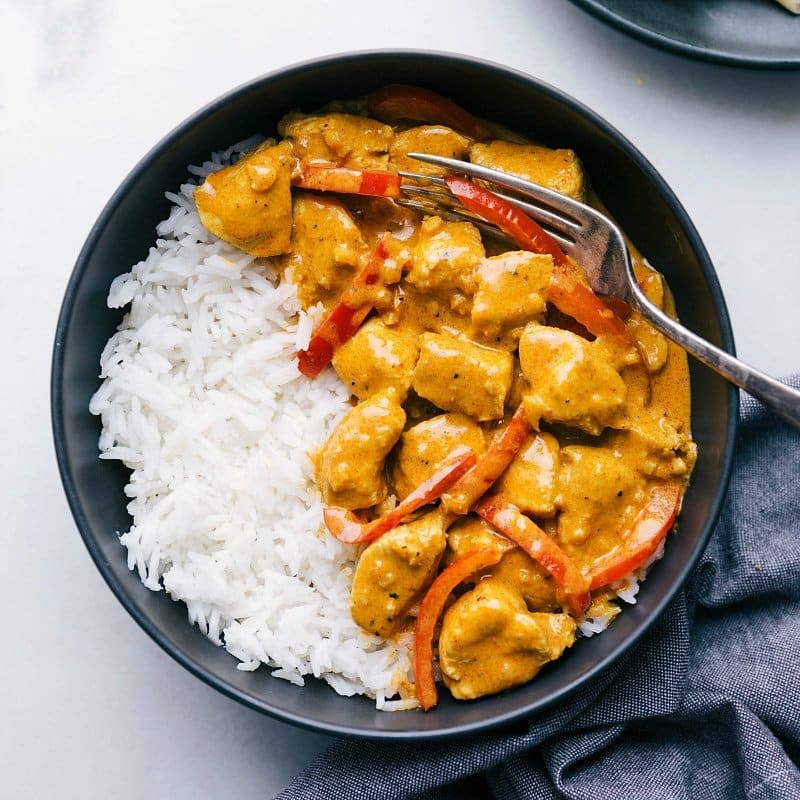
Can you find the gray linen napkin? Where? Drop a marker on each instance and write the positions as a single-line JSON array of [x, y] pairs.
[[707, 706]]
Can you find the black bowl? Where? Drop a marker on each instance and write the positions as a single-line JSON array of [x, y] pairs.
[[740, 33], [633, 191]]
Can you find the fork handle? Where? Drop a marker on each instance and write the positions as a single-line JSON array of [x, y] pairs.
[[783, 400]]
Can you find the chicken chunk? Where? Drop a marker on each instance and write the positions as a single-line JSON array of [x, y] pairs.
[[512, 291], [427, 444], [571, 380], [376, 216], [491, 642], [434, 139], [529, 481], [445, 261], [658, 445], [474, 533], [392, 572], [350, 464], [530, 579], [327, 249], [376, 358], [249, 204], [460, 375], [559, 170], [599, 494], [346, 140]]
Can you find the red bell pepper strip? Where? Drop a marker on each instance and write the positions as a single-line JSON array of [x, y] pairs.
[[527, 233], [345, 317], [347, 527], [649, 529], [573, 297], [396, 102], [431, 609], [523, 531], [490, 466], [567, 292], [619, 307], [330, 178], [335, 330]]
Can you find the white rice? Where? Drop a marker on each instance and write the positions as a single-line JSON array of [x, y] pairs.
[[202, 400]]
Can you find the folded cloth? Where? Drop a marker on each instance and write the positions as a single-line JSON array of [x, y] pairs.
[[706, 706]]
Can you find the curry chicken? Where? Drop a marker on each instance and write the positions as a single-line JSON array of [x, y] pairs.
[[517, 447]]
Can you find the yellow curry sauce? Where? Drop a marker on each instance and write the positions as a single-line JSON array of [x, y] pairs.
[[462, 333]]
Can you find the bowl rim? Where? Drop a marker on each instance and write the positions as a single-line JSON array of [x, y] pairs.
[[712, 53], [68, 478]]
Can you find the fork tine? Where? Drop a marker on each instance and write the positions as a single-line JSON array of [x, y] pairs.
[[563, 231], [434, 202], [420, 178], [435, 195], [455, 215], [564, 207], [557, 226]]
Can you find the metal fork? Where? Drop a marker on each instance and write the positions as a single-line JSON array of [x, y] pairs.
[[597, 244]]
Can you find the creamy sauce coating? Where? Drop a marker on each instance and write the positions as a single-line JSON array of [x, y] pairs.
[[460, 335]]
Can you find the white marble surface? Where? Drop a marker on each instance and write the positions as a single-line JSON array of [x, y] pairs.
[[91, 707]]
